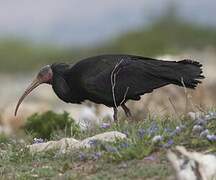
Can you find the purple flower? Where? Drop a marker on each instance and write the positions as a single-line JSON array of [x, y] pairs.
[[96, 155], [93, 142], [37, 140], [111, 149], [82, 156], [124, 145], [141, 132], [152, 129], [211, 138], [105, 125], [177, 130], [168, 144], [201, 122]]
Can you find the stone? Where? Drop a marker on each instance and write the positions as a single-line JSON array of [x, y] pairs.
[[69, 144], [192, 165]]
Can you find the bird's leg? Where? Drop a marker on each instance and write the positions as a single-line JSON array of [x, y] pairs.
[[127, 111], [115, 115]]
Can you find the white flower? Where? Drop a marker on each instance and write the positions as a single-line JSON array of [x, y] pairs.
[[157, 139], [197, 128], [204, 133]]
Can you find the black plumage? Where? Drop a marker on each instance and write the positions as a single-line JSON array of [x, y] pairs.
[[112, 80]]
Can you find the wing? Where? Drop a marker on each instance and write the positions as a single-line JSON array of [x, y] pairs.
[[122, 78]]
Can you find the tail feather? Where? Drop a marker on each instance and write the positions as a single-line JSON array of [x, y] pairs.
[[188, 73]]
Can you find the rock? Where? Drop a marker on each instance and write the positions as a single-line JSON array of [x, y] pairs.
[[192, 165], [61, 145], [69, 144], [194, 115], [107, 137]]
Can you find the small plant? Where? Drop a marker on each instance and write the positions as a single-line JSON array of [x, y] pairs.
[[49, 123]]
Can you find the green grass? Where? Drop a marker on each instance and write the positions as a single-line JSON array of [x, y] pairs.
[[49, 124], [123, 159]]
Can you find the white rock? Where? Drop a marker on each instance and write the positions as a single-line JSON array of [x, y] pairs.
[[194, 115], [199, 166], [107, 137], [69, 144], [54, 145]]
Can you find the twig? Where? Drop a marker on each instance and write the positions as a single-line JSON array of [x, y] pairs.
[[113, 81], [186, 95], [170, 100], [200, 108], [125, 94]]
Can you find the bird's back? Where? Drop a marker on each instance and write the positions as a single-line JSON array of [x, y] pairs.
[[108, 78]]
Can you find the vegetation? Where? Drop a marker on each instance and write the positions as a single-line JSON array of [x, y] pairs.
[[141, 155], [167, 35], [49, 124]]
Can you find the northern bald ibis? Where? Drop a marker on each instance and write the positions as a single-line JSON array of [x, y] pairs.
[[112, 80]]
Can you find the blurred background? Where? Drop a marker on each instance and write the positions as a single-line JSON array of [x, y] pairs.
[[36, 33]]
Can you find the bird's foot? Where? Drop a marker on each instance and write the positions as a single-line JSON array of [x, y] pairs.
[[115, 115], [127, 111]]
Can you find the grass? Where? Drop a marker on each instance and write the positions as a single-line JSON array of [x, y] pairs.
[[137, 157]]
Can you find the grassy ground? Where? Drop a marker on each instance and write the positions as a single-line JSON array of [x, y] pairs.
[[141, 156]]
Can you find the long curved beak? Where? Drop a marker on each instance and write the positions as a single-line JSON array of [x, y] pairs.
[[32, 86]]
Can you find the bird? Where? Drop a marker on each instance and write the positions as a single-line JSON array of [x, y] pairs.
[[113, 79]]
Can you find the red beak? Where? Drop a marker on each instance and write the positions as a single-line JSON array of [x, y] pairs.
[[33, 85]]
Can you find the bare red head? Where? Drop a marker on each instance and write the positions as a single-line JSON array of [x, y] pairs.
[[45, 75]]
